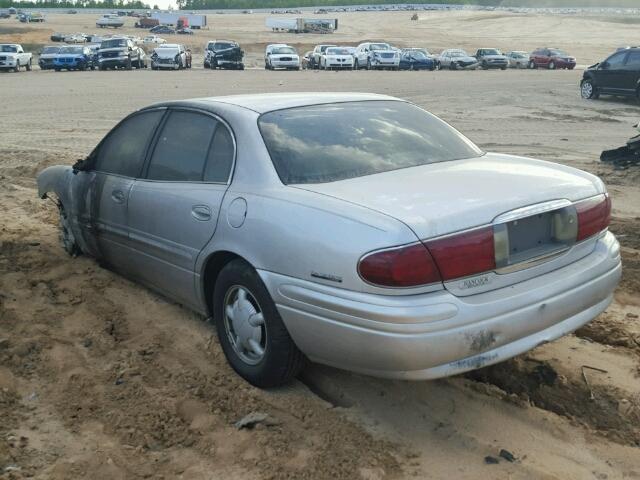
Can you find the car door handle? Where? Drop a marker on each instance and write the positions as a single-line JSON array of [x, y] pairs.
[[201, 212], [117, 196]]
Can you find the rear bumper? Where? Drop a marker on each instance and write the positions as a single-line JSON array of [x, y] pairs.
[[438, 334]]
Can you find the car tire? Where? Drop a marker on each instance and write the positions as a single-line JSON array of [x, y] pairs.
[[369, 67], [67, 238], [532, 65], [588, 90], [503, 68], [453, 66], [552, 65], [28, 66], [355, 64], [129, 64], [484, 66], [251, 332]]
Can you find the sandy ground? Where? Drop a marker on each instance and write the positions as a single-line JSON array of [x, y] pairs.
[[103, 379]]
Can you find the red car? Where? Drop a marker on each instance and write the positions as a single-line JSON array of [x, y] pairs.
[[551, 58]]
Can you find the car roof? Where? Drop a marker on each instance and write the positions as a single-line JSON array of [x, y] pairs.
[[268, 102]]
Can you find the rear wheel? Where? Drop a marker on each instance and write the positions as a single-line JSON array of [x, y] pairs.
[[28, 65], [552, 65], [250, 329]]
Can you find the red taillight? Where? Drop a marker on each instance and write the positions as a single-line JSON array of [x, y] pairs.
[[464, 254], [594, 215], [400, 267]]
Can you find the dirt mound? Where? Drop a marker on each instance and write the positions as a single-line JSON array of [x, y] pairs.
[[602, 409]]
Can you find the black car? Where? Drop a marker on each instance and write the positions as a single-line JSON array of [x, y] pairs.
[[162, 29], [223, 54], [58, 37], [617, 75]]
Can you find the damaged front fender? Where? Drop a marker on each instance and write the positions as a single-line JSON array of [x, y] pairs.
[[54, 179]]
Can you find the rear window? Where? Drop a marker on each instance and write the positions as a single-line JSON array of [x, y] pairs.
[[327, 143]]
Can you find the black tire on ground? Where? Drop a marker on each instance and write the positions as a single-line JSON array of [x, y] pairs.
[[29, 65], [588, 90], [129, 65], [355, 64], [552, 65], [281, 360], [503, 68], [532, 65], [103, 68], [368, 64]]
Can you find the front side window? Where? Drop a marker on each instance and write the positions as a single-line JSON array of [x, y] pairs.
[[326, 143], [122, 152], [181, 150], [633, 61], [616, 61]]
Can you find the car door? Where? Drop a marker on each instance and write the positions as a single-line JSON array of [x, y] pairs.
[[101, 189], [610, 73], [173, 209], [631, 73]]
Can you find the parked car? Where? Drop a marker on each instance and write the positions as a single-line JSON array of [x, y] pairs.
[[306, 61], [223, 54], [280, 55], [48, 53], [336, 58], [518, 59], [376, 56], [551, 58], [163, 29], [618, 74], [416, 59], [74, 58], [317, 52], [75, 38], [171, 55], [121, 52], [13, 57], [58, 37], [491, 58], [5, 15], [456, 59], [388, 244], [153, 40], [184, 31], [109, 20]]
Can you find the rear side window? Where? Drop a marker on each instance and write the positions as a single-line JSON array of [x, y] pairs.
[[326, 143], [220, 158], [633, 60], [182, 147], [122, 152]]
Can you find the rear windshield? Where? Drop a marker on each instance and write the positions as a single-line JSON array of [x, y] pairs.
[[327, 143]]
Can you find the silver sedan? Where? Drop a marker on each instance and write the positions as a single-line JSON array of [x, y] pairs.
[[353, 230]]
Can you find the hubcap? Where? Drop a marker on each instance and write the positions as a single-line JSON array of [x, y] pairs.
[[587, 90], [244, 325]]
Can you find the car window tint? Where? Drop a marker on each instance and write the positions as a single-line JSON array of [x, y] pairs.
[[326, 143], [122, 152], [220, 157], [633, 60], [616, 60], [182, 146]]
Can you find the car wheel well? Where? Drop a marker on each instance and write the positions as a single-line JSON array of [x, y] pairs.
[[213, 266]]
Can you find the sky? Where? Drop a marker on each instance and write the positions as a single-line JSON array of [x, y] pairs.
[[162, 3]]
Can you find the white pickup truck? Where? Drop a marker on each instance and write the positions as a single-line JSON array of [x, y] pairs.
[[109, 20], [12, 57]]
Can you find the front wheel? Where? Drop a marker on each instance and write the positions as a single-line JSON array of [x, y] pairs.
[[588, 90], [67, 238], [251, 332]]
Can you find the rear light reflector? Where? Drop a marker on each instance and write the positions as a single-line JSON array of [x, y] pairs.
[[464, 254], [408, 266], [594, 215]]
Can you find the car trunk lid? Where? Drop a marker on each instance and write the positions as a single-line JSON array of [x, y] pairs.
[[523, 200]]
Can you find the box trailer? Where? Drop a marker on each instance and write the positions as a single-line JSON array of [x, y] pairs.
[[302, 25], [191, 20]]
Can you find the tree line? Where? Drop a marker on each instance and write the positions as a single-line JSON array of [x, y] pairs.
[[110, 4]]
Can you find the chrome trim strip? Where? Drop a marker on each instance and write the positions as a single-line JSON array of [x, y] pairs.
[[531, 210]]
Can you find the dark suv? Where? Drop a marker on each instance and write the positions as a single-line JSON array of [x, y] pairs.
[[617, 75], [551, 58]]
